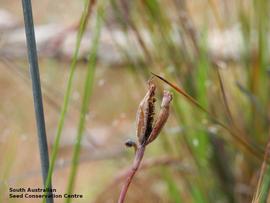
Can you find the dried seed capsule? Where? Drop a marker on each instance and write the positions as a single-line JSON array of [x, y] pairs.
[[162, 116], [145, 114]]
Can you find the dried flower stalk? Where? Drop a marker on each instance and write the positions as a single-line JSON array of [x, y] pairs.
[[147, 130]]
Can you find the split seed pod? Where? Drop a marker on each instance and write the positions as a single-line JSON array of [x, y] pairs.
[[162, 116], [145, 114], [146, 131]]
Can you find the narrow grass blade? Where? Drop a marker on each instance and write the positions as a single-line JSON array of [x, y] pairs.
[[197, 195], [182, 92], [173, 190], [225, 97], [263, 184], [37, 95], [85, 102], [201, 78], [83, 23], [256, 152]]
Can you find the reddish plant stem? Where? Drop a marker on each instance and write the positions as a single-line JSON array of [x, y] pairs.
[[136, 164]]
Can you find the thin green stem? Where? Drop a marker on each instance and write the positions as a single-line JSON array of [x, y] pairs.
[[83, 23], [85, 103]]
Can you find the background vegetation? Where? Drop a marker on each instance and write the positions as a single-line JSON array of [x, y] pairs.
[[210, 151]]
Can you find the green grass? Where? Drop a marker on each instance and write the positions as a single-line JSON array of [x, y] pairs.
[[173, 191], [88, 87], [190, 66], [83, 24], [223, 113]]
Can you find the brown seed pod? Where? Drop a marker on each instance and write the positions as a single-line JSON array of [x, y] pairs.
[[162, 116], [145, 114]]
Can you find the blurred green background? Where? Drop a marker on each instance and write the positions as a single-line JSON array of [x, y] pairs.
[[217, 51]]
